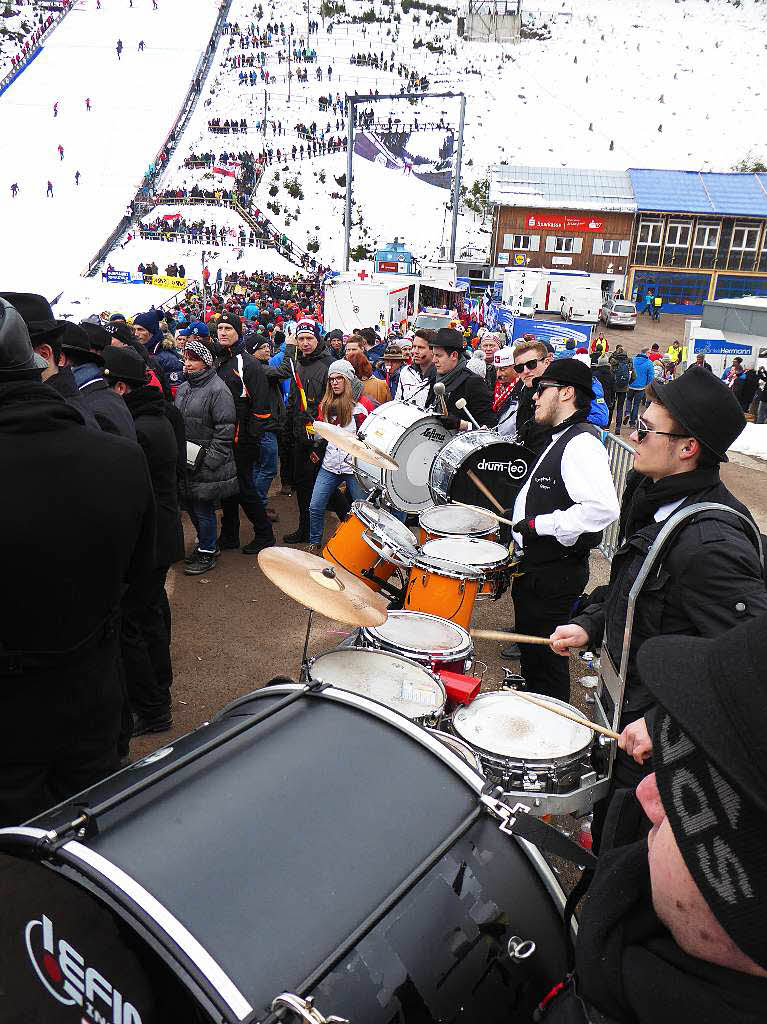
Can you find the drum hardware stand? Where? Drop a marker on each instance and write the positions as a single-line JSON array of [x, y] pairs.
[[304, 1009], [513, 680], [304, 671]]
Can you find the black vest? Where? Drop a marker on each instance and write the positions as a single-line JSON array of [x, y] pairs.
[[547, 493]]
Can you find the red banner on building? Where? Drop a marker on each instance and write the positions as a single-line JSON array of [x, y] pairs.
[[558, 222]]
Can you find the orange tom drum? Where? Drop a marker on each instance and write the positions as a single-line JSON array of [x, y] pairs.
[[371, 542]]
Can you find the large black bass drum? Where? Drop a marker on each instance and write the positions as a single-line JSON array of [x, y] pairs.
[[308, 856], [501, 464]]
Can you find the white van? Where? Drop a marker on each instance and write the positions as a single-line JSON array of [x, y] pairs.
[[582, 303]]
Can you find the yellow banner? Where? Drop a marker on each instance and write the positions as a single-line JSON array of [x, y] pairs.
[[176, 283]]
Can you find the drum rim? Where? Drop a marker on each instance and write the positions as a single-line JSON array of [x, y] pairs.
[[483, 566], [450, 654], [345, 651], [491, 528], [451, 570], [562, 761], [447, 738]]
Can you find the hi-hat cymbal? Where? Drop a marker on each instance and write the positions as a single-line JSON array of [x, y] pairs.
[[323, 587], [354, 445]]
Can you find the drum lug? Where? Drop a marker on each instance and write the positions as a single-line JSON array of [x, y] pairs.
[[304, 1009], [513, 680], [520, 949], [502, 811]]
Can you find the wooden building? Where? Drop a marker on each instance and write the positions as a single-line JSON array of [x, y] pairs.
[[558, 218]]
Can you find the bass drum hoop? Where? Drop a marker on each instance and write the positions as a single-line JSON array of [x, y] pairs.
[[455, 452]]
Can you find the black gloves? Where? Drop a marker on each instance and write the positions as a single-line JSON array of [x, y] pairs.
[[451, 422], [526, 529]]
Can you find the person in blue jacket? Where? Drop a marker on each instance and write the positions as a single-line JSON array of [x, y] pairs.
[[642, 377], [599, 413], [251, 311], [146, 328]]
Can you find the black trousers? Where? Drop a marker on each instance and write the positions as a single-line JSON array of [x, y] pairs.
[[245, 461], [620, 401], [543, 599], [58, 731], [285, 442], [145, 646]]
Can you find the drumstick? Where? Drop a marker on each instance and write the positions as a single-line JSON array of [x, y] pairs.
[[476, 508], [566, 714], [487, 493], [515, 638]]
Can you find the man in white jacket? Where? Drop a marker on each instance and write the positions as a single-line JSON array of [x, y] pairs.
[[415, 378]]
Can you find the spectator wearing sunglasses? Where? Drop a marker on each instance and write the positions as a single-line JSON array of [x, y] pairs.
[[531, 358], [710, 578], [559, 515]]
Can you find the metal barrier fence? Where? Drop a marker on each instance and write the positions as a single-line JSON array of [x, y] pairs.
[[621, 457]]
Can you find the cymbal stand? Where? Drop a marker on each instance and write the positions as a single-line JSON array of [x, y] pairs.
[[304, 674]]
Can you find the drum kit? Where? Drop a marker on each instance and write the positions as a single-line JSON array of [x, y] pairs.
[[355, 847]]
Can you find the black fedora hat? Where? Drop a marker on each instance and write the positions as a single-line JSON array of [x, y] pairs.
[[74, 339], [124, 364], [98, 336], [569, 371], [449, 339], [36, 313], [704, 405]]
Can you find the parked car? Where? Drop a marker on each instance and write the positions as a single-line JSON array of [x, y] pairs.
[[619, 313]]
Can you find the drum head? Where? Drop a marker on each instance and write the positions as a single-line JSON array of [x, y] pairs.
[[454, 519], [466, 551], [502, 724], [502, 465], [387, 678], [418, 633]]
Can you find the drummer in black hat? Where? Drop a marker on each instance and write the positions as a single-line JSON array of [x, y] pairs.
[[672, 928], [459, 382], [710, 577], [559, 514]]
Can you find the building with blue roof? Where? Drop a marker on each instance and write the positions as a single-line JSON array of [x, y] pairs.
[[698, 236], [395, 259]]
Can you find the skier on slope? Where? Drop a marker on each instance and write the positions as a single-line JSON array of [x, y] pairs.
[[88, 103], [49, 191], [56, 109], [14, 189], [77, 177], [119, 47], [61, 151], [141, 46]]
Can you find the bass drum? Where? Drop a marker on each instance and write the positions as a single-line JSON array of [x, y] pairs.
[[412, 438], [303, 844], [502, 465]]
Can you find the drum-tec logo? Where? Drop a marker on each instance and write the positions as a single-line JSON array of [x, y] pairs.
[[65, 975], [516, 468]]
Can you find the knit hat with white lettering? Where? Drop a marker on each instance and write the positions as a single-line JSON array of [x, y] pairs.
[[710, 756]]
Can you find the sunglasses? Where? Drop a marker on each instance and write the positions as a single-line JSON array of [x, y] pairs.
[[643, 430], [540, 388], [529, 365]]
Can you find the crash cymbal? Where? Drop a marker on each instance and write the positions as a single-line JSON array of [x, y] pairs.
[[323, 587], [354, 445]]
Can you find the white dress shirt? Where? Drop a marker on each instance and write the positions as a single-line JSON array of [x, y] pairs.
[[587, 478]]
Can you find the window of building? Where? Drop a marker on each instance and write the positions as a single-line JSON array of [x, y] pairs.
[[649, 232], [678, 236], [676, 289], [707, 236], [745, 239], [516, 242], [564, 244], [612, 247], [729, 286]]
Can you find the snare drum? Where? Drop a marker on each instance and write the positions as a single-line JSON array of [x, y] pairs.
[[390, 679], [502, 465], [371, 543], [427, 639], [412, 438], [486, 555], [452, 521], [527, 750]]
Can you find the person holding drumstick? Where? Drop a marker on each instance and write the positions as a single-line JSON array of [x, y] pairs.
[[458, 382], [710, 577]]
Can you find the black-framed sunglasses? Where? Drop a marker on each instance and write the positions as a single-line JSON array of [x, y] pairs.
[[529, 365], [539, 388], [643, 430]]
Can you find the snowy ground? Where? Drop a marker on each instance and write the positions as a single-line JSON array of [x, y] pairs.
[[605, 68], [753, 441], [48, 242], [21, 21]]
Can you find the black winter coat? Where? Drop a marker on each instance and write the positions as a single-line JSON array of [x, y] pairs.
[[208, 410], [605, 377], [313, 372], [79, 522], [258, 408], [63, 383], [709, 581], [108, 408], [157, 437], [462, 383]]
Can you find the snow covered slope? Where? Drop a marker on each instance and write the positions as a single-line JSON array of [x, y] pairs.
[[48, 241]]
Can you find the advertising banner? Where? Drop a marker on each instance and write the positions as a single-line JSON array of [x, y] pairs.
[[708, 347], [174, 283], [117, 276], [555, 331], [560, 222]]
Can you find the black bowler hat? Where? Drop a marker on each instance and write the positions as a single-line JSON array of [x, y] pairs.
[[449, 339], [74, 339], [36, 313], [569, 371], [704, 405], [124, 364], [98, 337]]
